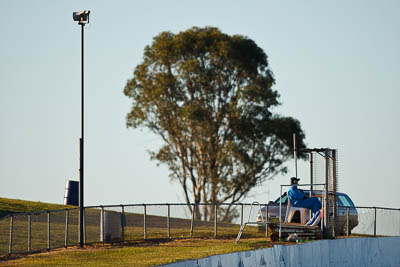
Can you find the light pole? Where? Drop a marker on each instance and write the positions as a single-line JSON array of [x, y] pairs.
[[82, 17]]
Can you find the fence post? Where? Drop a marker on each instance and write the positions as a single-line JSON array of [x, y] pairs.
[[48, 230], [216, 219], [241, 214], [144, 222], [66, 227], [168, 221], [266, 224], [11, 234], [29, 233], [122, 223], [348, 222], [102, 221], [84, 225], [374, 221], [192, 222]]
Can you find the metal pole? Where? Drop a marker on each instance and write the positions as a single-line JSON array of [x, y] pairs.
[[280, 214], [144, 222], [374, 221], [11, 235], [311, 182], [348, 222], [241, 214], [327, 210], [84, 225], [48, 230], [216, 219], [266, 225], [66, 227], [29, 233], [334, 186], [102, 225], [311, 174], [168, 221], [122, 223], [295, 154], [324, 212], [192, 222], [81, 169]]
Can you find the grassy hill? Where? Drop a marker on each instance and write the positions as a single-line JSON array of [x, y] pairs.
[[8, 206]]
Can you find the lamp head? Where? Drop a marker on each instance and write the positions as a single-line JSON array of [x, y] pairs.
[[81, 16]]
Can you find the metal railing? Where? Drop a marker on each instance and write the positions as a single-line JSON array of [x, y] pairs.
[[40, 231]]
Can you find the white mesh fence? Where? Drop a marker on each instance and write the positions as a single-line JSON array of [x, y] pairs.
[[377, 221]]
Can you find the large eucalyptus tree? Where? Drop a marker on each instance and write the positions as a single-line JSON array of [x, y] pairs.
[[209, 96]]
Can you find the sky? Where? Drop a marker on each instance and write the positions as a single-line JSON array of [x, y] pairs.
[[336, 65]]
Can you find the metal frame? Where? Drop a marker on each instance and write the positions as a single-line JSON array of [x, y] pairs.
[[330, 156]]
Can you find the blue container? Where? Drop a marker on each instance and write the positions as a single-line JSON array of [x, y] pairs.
[[71, 196]]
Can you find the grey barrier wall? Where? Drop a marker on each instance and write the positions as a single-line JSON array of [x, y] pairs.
[[39, 231], [381, 251]]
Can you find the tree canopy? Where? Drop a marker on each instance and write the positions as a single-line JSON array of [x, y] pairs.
[[209, 96]]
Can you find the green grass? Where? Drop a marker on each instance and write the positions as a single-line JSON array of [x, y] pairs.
[[8, 206], [140, 253]]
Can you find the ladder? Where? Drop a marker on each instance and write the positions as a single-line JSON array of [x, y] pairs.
[[263, 222]]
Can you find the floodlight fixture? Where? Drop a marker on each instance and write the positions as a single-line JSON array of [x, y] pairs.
[[81, 16]]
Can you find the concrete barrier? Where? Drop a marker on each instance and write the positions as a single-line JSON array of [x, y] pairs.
[[382, 251]]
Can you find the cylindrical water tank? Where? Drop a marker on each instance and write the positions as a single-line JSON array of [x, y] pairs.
[[71, 196], [111, 224]]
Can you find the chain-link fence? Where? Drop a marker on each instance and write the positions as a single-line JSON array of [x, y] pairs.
[[377, 222], [40, 231]]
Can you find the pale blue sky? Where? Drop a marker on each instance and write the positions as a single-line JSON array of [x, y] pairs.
[[336, 65]]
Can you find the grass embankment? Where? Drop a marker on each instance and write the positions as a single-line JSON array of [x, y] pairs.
[[139, 254], [8, 206]]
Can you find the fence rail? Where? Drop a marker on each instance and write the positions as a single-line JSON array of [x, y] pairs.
[[39, 231]]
